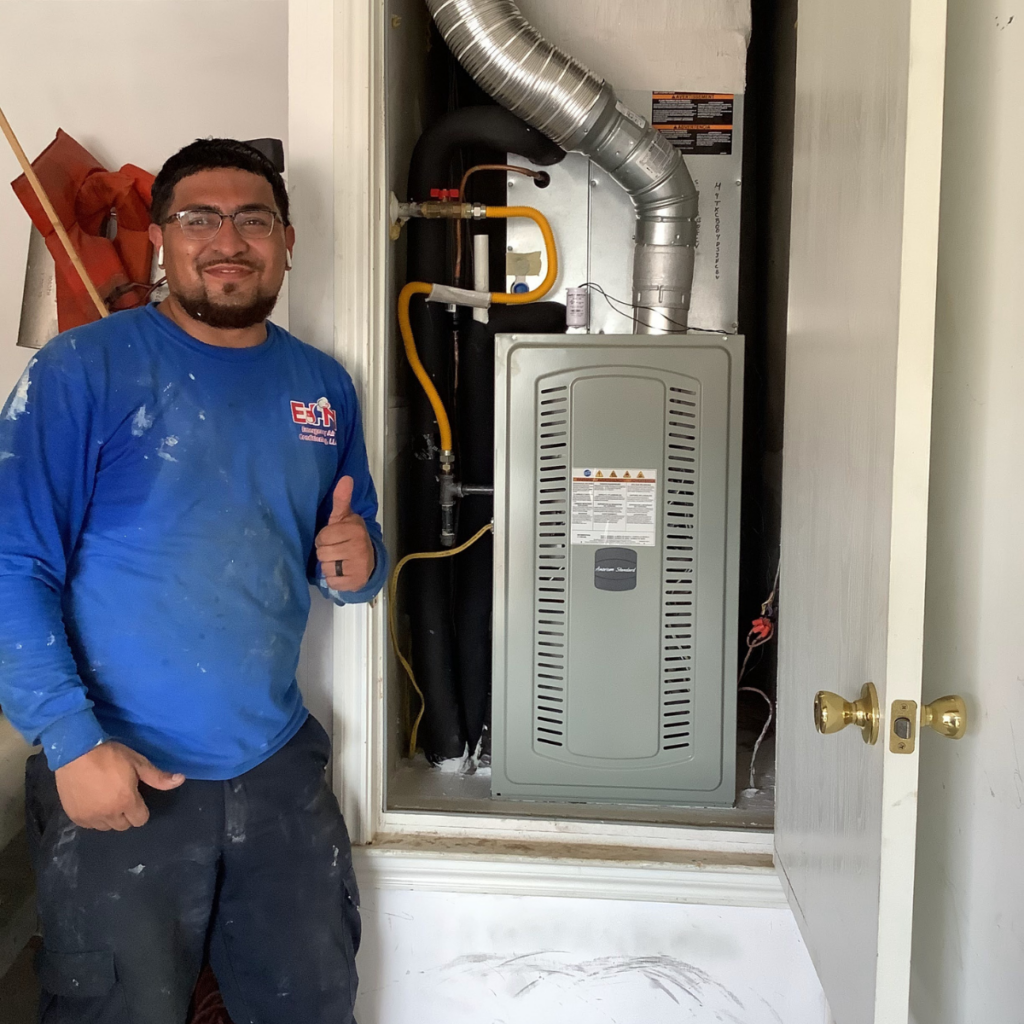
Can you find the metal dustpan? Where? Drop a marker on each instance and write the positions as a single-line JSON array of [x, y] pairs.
[[39, 301]]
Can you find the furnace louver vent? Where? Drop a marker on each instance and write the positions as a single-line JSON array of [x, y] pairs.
[[680, 567], [616, 694], [552, 508]]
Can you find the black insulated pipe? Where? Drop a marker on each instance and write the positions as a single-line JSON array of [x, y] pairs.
[[430, 597]]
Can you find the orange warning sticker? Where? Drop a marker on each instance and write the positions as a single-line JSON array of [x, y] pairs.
[[695, 122], [614, 506]]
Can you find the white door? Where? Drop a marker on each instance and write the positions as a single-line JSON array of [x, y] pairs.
[[869, 93]]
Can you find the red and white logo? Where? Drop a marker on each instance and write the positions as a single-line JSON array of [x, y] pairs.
[[318, 421], [319, 414]]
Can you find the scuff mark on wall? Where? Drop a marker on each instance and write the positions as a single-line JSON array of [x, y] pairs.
[[679, 981]]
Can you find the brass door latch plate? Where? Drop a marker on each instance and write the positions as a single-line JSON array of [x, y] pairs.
[[947, 716], [903, 727]]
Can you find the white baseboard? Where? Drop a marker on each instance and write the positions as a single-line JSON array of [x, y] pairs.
[[710, 885]]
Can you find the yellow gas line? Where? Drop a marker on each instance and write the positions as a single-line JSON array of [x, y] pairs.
[[508, 212], [443, 423], [405, 324], [497, 298]]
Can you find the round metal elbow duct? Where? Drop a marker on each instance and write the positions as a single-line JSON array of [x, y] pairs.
[[558, 96]]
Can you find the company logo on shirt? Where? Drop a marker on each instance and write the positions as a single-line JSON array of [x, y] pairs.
[[317, 421]]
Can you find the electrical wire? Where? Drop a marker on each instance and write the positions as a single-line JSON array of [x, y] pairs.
[[393, 629], [763, 627], [628, 309], [764, 730], [761, 632]]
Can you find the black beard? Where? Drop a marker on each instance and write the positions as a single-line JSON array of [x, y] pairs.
[[227, 318]]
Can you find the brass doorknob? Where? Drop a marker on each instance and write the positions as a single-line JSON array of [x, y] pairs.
[[832, 713], [947, 716]]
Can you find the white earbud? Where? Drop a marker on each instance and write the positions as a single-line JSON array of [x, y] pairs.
[[287, 261], [160, 257]]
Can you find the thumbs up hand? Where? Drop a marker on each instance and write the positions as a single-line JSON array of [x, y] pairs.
[[343, 546]]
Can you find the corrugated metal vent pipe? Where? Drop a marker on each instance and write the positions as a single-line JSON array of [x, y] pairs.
[[560, 97]]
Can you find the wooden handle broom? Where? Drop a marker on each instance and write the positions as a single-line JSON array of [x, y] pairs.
[[44, 200]]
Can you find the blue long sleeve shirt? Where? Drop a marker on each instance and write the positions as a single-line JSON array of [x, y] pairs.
[[159, 500]]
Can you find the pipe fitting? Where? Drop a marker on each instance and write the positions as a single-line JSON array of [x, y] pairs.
[[448, 211], [452, 491], [400, 212], [449, 492], [471, 490]]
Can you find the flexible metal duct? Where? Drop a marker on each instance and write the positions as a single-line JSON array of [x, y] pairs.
[[560, 97]]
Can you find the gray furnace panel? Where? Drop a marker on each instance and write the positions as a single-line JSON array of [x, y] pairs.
[[617, 533]]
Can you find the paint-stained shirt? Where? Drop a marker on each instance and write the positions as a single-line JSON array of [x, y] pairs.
[[159, 500]]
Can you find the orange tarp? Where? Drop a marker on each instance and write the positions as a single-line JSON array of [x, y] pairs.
[[83, 193]]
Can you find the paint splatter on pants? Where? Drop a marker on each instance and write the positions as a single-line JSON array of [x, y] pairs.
[[255, 873]]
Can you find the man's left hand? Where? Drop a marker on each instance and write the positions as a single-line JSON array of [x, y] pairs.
[[345, 544]]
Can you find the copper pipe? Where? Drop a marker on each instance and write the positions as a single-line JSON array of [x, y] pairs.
[[536, 175]]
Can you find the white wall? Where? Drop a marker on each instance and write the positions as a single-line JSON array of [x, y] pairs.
[[132, 81], [649, 45], [447, 958], [969, 914]]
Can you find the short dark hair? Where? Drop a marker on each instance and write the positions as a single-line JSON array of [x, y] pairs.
[[208, 154]]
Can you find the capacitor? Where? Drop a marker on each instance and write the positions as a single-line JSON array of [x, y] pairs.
[[577, 307]]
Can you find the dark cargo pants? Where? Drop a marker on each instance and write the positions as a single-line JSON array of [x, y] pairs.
[[255, 873]]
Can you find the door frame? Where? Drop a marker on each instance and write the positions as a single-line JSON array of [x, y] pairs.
[[338, 177]]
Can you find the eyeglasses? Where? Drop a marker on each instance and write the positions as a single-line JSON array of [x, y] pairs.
[[203, 225]]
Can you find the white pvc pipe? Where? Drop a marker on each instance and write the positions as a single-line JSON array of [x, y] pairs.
[[481, 272]]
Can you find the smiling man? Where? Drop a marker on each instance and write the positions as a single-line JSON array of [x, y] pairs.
[[171, 480]]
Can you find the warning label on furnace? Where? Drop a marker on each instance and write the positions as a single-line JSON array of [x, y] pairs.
[[695, 122], [614, 506]]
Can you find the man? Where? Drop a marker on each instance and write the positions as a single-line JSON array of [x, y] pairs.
[[170, 478]]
